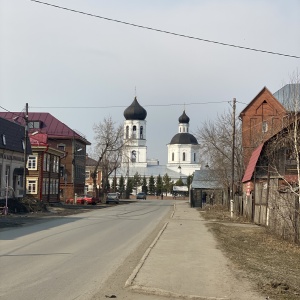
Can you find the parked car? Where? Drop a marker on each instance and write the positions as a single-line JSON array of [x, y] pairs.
[[141, 195], [112, 197], [84, 199]]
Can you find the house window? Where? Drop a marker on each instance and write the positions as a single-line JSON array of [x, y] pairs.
[[32, 186], [44, 191], [264, 126], [183, 156], [48, 162], [87, 174], [34, 124], [44, 162], [3, 139], [61, 147], [62, 171], [32, 162], [56, 186], [55, 164], [172, 156]]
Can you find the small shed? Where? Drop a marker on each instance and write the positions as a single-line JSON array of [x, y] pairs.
[[206, 188]]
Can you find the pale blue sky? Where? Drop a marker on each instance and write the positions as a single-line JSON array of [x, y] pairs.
[[51, 58]]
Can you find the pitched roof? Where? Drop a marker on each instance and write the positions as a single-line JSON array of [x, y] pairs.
[[252, 163], [12, 136], [48, 124], [206, 179], [288, 93], [255, 98]]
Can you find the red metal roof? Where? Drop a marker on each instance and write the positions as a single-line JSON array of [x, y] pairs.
[[252, 163], [49, 124], [39, 139]]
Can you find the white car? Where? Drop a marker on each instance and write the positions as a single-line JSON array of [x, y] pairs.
[[112, 197]]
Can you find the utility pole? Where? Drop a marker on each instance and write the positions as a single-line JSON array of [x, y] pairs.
[[25, 149], [232, 157]]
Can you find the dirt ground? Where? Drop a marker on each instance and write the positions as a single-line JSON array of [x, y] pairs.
[[271, 263]]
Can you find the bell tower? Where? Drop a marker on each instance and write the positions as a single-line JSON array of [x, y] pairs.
[[135, 149]]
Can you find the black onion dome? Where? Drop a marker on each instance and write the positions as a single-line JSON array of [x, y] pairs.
[[184, 138], [184, 118], [135, 111]]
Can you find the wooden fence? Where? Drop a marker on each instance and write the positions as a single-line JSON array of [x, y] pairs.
[[279, 211]]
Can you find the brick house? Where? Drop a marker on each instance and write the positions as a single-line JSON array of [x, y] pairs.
[[63, 138], [262, 118], [271, 164]]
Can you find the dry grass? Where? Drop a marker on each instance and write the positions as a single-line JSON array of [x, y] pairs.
[[271, 263]]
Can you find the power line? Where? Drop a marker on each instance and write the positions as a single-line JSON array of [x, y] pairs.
[[124, 106], [167, 32]]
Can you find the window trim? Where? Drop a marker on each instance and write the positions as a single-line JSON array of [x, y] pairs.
[[32, 162]]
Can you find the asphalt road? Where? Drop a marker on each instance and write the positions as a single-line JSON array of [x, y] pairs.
[[71, 257]]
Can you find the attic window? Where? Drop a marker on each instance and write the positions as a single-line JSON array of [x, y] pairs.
[[34, 124], [264, 126], [3, 139]]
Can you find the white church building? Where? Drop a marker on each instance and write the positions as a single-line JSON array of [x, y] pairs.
[[183, 149]]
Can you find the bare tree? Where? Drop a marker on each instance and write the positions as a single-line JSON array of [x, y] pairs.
[[215, 139], [283, 161], [109, 144]]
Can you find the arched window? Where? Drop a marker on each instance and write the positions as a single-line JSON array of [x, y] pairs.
[[141, 132], [264, 126], [133, 156], [134, 131], [172, 156], [183, 156], [127, 132], [180, 129]]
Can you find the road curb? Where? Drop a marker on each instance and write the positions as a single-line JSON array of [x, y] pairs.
[[133, 275]]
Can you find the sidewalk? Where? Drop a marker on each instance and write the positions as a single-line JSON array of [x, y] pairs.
[[184, 262]]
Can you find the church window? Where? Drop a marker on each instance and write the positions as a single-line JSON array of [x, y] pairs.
[[194, 156], [134, 131], [183, 156], [133, 156], [127, 132], [172, 156], [141, 132]]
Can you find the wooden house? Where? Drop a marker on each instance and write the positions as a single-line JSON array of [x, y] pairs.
[[63, 138], [12, 160], [43, 179]]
